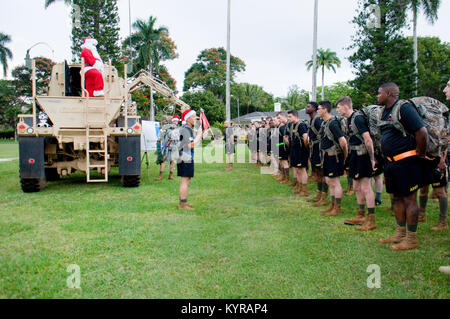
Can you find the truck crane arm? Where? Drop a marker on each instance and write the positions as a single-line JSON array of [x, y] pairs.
[[146, 78]]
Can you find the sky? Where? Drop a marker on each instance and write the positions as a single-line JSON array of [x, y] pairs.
[[273, 37]]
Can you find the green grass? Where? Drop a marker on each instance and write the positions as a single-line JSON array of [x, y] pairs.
[[248, 238], [8, 149]]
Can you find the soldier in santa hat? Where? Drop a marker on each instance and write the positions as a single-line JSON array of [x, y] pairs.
[[93, 68], [185, 165]]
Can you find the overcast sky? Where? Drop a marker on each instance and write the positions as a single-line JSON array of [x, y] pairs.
[[273, 37]]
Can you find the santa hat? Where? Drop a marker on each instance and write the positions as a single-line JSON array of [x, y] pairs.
[[176, 118], [90, 40], [187, 114]]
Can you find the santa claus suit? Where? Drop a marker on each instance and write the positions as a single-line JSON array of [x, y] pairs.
[[93, 68]]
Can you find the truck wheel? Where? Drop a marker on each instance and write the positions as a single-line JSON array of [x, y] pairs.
[[32, 185], [130, 180], [51, 174]]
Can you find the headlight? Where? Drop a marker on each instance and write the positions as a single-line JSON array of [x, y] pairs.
[[130, 130], [30, 130]]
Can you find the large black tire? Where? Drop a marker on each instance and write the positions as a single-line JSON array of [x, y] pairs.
[[32, 185], [130, 180], [51, 174]]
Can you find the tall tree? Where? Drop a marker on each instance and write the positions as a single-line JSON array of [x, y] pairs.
[[99, 19], [430, 9], [5, 53], [381, 54], [325, 59], [209, 72], [152, 46]]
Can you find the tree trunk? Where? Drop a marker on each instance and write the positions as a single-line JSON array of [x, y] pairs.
[[416, 71]]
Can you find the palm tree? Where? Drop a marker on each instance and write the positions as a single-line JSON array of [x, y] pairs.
[[325, 59], [430, 9], [5, 53], [146, 41]]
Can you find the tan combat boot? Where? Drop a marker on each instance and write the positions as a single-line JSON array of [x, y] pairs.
[[304, 192], [369, 224], [159, 178], [297, 189], [316, 198], [409, 242], [350, 191], [328, 209], [441, 225], [323, 200], [399, 235], [294, 184], [171, 176], [422, 215], [185, 206], [335, 211], [358, 220]]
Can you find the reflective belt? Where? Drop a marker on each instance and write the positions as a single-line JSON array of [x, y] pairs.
[[401, 156]]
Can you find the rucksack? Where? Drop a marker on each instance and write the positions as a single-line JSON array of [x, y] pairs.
[[372, 115], [170, 142], [336, 148], [297, 134], [432, 113]]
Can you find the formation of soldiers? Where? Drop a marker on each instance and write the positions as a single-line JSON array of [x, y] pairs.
[[338, 145]]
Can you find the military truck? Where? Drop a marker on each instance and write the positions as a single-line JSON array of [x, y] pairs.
[[69, 131]]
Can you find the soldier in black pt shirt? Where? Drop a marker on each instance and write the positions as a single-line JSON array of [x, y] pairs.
[[361, 161], [299, 152], [405, 159], [283, 148], [333, 146], [185, 165], [314, 151]]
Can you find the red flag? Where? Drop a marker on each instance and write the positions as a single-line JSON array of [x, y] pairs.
[[204, 120]]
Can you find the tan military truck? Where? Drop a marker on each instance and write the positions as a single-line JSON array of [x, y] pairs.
[[69, 131]]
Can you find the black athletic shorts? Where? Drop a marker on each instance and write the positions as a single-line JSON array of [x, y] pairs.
[[433, 175], [359, 166], [229, 148], [299, 157], [404, 177], [315, 156], [379, 166], [283, 153], [185, 169], [332, 167]]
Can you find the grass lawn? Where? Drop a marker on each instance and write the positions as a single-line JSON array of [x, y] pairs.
[[248, 238]]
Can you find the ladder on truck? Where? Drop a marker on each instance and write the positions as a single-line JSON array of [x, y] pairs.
[[92, 128]]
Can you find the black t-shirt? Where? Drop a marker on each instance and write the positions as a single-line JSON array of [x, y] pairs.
[[301, 129], [186, 137], [335, 128], [392, 140], [361, 126], [317, 122]]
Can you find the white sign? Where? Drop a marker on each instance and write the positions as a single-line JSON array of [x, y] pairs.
[[149, 136], [277, 107]]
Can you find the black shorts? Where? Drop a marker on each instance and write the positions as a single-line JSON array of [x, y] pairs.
[[299, 157], [229, 148], [359, 166], [315, 156], [433, 175], [379, 165], [404, 177], [283, 151], [185, 169], [333, 166]]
